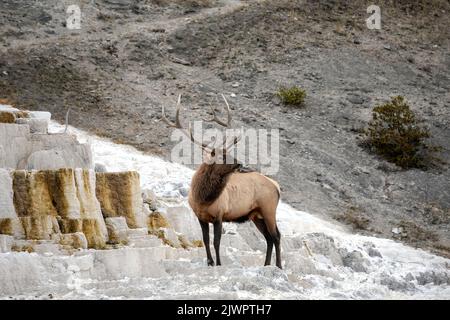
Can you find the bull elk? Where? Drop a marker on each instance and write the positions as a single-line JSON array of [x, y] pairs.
[[224, 191]]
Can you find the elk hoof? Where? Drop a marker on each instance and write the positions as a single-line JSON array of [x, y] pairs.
[[211, 263]]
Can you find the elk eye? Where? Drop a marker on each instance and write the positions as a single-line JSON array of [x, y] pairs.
[[213, 153]]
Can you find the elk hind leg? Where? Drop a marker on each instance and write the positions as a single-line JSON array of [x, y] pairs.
[[261, 225], [276, 237]]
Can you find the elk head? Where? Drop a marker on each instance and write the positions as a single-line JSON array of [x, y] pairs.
[[213, 151]]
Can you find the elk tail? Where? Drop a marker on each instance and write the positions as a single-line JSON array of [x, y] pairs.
[[276, 185]]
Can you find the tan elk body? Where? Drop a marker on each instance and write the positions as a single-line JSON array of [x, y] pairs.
[[245, 195], [222, 191]]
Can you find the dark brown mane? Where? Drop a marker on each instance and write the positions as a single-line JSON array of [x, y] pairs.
[[210, 180]]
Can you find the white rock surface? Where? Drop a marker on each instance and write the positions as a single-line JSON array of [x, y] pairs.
[[21, 149], [5, 107], [14, 144], [117, 229], [26, 145], [36, 125], [7, 209], [6, 243], [184, 221], [171, 236], [75, 240], [149, 198], [43, 115]]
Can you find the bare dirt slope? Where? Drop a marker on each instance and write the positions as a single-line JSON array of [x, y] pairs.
[[132, 56]]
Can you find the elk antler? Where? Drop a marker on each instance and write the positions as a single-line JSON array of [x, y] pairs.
[[177, 124], [226, 125], [235, 140], [216, 119], [188, 132]]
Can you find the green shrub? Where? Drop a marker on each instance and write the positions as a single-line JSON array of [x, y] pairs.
[[396, 134], [293, 96]]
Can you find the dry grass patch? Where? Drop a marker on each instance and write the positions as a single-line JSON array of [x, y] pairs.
[[354, 218]]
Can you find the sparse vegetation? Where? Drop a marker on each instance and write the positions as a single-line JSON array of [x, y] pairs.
[[157, 221], [104, 16], [6, 226], [354, 218], [162, 236], [436, 214], [183, 242], [396, 134], [22, 248], [413, 232], [441, 249], [187, 3], [197, 243], [292, 96]]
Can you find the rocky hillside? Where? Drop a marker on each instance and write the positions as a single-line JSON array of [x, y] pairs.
[[132, 56]]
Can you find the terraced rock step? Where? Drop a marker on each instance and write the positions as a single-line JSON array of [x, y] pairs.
[[26, 145]]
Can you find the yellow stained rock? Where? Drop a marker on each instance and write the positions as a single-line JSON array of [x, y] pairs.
[[49, 200], [71, 225], [22, 114], [74, 240], [39, 228], [94, 235], [62, 204], [12, 227], [7, 117], [120, 196], [33, 195]]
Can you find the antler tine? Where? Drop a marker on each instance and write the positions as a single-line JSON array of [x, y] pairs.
[[216, 119], [228, 112], [177, 114], [235, 140], [203, 145], [177, 124]]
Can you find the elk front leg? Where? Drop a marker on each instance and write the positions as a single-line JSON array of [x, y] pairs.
[[217, 237], [205, 231]]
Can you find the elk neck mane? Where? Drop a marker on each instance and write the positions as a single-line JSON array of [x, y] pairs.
[[210, 180]]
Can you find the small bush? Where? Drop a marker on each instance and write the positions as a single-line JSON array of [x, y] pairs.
[[396, 134], [293, 96]]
